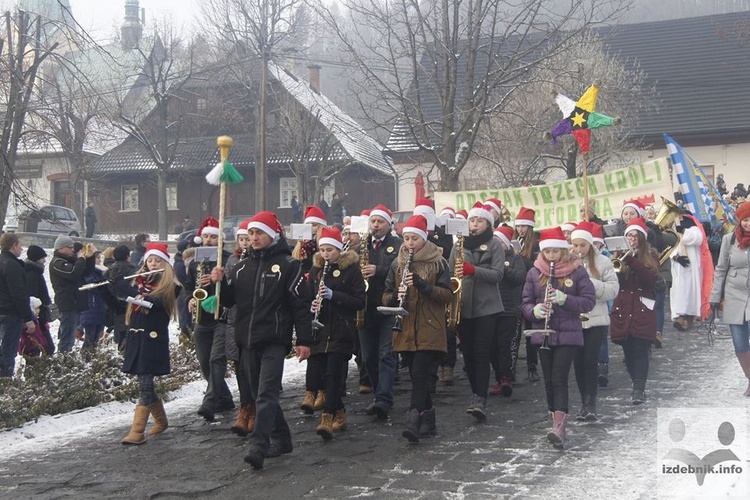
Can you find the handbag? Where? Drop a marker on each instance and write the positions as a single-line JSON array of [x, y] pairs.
[[53, 313]]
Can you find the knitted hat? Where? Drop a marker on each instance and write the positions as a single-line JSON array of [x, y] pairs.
[[417, 224], [242, 229], [568, 226], [504, 234], [314, 215], [448, 211], [583, 231], [266, 222], [481, 210], [462, 214], [35, 303], [743, 211], [63, 241], [158, 249], [526, 217], [635, 204], [637, 224], [34, 253], [121, 253], [426, 207], [494, 204], [382, 211], [598, 233], [553, 238], [592, 206], [331, 236]]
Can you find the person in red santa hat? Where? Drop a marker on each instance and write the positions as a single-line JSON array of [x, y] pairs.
[[435, 225], [304, 250], [556, 292], [633, 315], [425, 293], [209, 334], [336, 283], [528, 239], [272, 302], [496, 209], [151, 305]]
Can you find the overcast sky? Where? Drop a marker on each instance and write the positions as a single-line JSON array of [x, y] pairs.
[[99, 17]]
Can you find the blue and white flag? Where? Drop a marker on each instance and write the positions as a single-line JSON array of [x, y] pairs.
[[699, 194]]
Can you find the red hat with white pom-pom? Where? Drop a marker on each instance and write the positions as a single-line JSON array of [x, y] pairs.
[[416, 224], [331, 236], [266, 222], [158, 250], [504, 234], [208, 226], [525, 217], [553, 238], [382, 211], [315, 215]]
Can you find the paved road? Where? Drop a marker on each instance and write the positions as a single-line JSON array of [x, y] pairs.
[[506, 457]]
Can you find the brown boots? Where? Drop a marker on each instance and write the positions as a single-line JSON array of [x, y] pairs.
[[325, 429], [320, 401], [312, 402], [245, 422], [556, 436], [160, 418], [339, 421], [137, 430]]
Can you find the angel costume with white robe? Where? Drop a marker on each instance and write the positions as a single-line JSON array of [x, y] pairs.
[[685, 295]]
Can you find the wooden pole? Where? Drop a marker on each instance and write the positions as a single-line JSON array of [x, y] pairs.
[[585, 187], [224, 143]]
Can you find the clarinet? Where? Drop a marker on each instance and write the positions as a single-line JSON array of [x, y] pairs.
[[317, 325], [548, 304], [398, 324]]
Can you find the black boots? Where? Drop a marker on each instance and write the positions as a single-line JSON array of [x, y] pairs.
[[429, 424], [412, 429]]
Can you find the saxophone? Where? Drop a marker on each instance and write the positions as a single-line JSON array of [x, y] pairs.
[[199, 294], [364, 258], [454, 308]]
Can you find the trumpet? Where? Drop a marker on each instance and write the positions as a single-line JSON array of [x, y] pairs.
[[619, 263], [316, 324], [199, 294]]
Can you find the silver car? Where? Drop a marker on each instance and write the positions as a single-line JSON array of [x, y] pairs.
[[52, 219]]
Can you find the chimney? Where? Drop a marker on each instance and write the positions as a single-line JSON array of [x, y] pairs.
[[314, 77], [131, 29]]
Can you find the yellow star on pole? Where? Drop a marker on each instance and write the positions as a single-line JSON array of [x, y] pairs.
[[578, 119]]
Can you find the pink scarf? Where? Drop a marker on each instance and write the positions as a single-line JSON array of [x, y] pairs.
[[560, 269]]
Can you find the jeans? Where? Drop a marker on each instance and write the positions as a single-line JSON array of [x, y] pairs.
[[66, 334], [211, 350], [376, 340], [556, 363], [660, 298], [265, 367], [421, 364], [740, 337], [476, 340], [10, 337], [585, 361], [91, 334], [636, 352], [146, 391]]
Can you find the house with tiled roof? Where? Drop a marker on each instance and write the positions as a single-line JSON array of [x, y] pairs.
[[699, 68]]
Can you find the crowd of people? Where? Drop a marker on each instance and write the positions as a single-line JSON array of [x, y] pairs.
[[413, 300]]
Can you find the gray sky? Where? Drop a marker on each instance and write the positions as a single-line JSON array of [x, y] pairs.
[[100, 16]]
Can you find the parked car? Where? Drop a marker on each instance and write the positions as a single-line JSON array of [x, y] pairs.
[[50, 219], [11, 218], [231, 223], [399, 220]]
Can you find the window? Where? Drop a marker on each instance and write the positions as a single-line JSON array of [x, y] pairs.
[[172, 196], [288, 189], [710, 172], [129, 198], [201, 104]]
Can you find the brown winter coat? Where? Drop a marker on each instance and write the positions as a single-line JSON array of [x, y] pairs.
[[630, 317], [424, 327]]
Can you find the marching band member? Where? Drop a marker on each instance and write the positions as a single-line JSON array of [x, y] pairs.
[[481, 303], [633, 316], [567, 229], [496, 211], [339, 294], [271, 301], [376, 336], [602, 275], [449, 361], [562, 298], [151, 304], [425, 292], [529, 241], [209, 334]]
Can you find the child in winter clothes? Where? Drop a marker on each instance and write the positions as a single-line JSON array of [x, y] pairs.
[[571, 294], [34, 343], [93, 319]]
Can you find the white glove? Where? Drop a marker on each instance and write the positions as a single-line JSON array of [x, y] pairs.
[[559, 297], [540, 311], [140, 302]]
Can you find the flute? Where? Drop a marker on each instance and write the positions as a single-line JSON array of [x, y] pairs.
[[89, 286]]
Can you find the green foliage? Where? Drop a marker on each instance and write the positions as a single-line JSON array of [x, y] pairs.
[[64, 383]]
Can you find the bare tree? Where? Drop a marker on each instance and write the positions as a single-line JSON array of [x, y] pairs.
[[441, 67]]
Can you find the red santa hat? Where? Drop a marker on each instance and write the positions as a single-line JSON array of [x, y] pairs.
[[243, 227], [481, 210], [583, 231], [597, 232], [382, 211], [636, 205], [448, 212], [266, 222], [331, 236], [462, 214], [568, 226], [426, 207], [208, 226], [159, 250], [365, 212], [314, 215], [417, 224], [526, 217], [637, 224], [504, 234], [495, 204], [553, 238]]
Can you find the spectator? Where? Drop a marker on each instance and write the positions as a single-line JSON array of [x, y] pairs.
[[323, 205], [89, 216], [116, 272], [187, 224], [15, 313], [36, 257], [94, 318], [739, 192], [34, 343], [66, 274], [296, 210], [141, 242], [721, 185], [337, 209]]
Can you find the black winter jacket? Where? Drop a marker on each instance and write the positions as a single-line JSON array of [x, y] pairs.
[[511, 287], [271, 298], [339, 314], [383, 257], [66, 275], [192, 273], [35, 281], [14, 295]]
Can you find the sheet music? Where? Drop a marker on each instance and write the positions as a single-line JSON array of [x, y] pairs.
[[457, 226], [300, 232]]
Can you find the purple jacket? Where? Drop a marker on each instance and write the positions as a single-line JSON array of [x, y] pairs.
[[565, 320]]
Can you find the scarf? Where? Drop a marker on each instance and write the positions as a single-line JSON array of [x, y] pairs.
[[742, 237], [473, 241], [145, 285], [560, 269], [425, 262]]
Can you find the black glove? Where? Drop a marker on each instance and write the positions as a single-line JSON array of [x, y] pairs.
[[422, 285], [683, 261]]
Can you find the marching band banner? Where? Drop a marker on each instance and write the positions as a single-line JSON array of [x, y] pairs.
[[559, 202]]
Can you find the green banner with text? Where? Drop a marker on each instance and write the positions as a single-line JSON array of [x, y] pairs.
[[559, 202]]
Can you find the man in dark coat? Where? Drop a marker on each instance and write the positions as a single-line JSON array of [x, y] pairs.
[[120, 268], [37, 285], [15, 311], [66, 274], [141, 242], [89, 215]]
